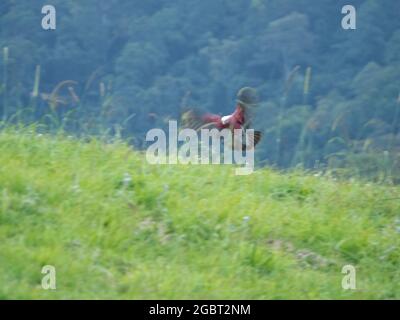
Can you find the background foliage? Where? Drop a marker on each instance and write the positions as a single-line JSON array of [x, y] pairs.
[[133, 65]]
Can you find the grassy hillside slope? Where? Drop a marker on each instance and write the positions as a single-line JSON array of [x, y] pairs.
[[116, 227]]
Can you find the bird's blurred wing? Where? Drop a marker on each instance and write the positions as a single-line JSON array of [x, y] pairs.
[[191, 120], [252, 140]]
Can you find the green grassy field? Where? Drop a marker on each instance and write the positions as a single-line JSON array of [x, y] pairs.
[[116, 227]]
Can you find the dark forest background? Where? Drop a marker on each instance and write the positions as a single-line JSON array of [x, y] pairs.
[[330, 97]]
